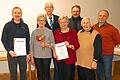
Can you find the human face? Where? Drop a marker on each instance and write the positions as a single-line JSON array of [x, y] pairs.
[[75, 12], [41, 22], [63, 23], [102, 17], [17, 14], [49, 8], [86, 24]]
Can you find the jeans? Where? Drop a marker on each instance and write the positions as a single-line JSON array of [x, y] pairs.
[[104, 69], [55, 69], [43, 68]]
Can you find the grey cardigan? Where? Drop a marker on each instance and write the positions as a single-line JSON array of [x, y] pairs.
[[36, 49]]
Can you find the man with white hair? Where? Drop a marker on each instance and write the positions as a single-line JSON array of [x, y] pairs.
[[52, 23]]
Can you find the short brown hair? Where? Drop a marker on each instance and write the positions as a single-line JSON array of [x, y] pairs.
[[77, 7], [16, 8]]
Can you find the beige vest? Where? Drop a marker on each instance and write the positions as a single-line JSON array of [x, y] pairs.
[[86, 49]]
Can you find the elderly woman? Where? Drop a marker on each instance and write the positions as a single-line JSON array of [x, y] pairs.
[[69, 36], [42, 40], [89, 52]]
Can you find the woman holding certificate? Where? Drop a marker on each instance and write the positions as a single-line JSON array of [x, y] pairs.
[[42, 40], [66, 45]]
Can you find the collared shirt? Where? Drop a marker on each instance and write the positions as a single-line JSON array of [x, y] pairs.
[[48, 19]]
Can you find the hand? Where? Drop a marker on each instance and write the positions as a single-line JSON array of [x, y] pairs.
[[12, 53], [71, 46], [32, 60], [94, 65], [28, 58], [48, 45], [42, 44], [67, 43]]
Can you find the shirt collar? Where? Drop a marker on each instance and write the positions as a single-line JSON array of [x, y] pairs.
[[102, 25]]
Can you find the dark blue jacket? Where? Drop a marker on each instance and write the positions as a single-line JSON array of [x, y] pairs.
[[12, 30]]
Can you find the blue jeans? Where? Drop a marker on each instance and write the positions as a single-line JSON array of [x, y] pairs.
[[56, 75], [104, 68]]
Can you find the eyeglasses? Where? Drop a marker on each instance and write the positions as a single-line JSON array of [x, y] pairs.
[[75, 11], [41, 20]]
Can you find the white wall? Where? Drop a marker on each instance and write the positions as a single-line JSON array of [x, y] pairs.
[[31, 8], [91, 8]]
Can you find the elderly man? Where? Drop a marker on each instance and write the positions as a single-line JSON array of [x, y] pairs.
[[52, 23], [110, 37]]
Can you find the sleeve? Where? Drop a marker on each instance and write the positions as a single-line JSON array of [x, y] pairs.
[[116, 36], [4, 37], [76, 42], [28, 40], [98, 48], [32, 42]]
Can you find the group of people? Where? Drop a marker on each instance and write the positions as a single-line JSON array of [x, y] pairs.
[[90, 47]]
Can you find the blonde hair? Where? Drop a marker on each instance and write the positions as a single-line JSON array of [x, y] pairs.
[[85, 18], [63, 17], [41, 16]]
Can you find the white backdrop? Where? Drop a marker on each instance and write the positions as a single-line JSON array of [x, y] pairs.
[[31, 8]]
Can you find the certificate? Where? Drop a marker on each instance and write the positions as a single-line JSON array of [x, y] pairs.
[[20, 46], [61, 51]]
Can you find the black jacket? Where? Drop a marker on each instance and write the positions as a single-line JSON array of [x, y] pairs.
[[55, 23], [75, 23], [12, 30]]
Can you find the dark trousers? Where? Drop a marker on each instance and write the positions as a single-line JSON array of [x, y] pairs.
[[13, 63], [56, 75], [73, 71], [43, 68], [64, 71], [85, 73]]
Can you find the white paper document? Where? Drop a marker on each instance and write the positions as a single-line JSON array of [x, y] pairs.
[[61, 51], [20, 46]]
